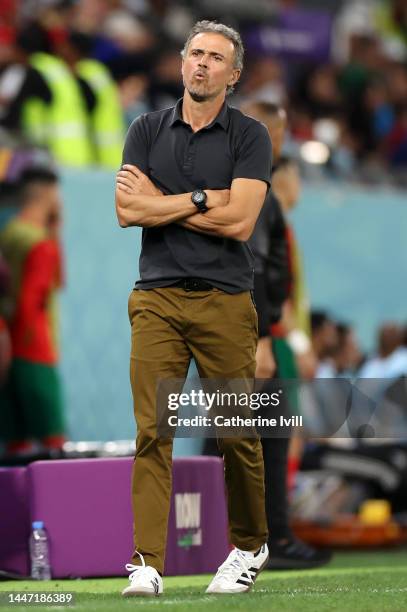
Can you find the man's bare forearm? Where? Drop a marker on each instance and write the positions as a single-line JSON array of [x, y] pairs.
[[152, 210], [237, 218], [216, 222], [139, 202]]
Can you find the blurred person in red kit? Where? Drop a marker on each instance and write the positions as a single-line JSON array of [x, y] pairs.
[[32, 410]]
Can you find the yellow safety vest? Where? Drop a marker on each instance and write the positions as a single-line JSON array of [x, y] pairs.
[[108, 129], [61, 126]]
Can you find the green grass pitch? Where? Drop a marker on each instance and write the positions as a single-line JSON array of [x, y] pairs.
[[358, 582]]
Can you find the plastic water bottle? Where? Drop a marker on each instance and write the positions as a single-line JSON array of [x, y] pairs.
[[39, 552]]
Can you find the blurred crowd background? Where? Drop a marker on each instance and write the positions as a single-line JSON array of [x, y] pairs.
[[339, 67], [73, 75]]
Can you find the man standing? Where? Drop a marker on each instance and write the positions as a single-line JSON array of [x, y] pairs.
[[195, 177], [32, 251], [273, 286]]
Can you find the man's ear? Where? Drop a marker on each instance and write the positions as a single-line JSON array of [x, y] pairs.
[[235, 77]]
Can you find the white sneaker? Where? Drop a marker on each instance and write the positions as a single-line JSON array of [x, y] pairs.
[[144, 581], [238, 573]]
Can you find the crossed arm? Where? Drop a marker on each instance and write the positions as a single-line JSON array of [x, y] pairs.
[[232, 213]]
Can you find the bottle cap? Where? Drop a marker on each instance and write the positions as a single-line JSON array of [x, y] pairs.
[[38, 525]]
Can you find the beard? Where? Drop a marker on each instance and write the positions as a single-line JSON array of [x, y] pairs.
[[198, 96]]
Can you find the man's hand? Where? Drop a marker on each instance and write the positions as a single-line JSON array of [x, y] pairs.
[[139, 202], [133, 181], [265, 364]]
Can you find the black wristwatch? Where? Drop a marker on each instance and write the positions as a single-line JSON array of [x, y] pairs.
[[199, 198]]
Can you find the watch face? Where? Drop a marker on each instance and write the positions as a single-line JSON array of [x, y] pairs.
[[199, 197]]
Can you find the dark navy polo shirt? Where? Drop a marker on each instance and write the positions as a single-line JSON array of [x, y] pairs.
[[178, 160]]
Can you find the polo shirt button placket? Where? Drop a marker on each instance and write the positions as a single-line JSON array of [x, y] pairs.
[[190, 155]]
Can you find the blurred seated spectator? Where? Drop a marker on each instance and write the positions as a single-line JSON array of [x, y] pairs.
[[396, 143], [391, 358], [133, 92], [396, 77], [263, 81], [124, 43], [322, 95], [377, 116], [32, 409], [128, 32], [301, 123], [347, 356], [365, 61], [324, 337], [166, 85]]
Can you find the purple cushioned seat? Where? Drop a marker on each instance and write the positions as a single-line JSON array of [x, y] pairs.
[[86, 507], [14, 520], [197, 530]]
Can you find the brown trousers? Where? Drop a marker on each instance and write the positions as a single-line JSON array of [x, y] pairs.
[[169, 326]]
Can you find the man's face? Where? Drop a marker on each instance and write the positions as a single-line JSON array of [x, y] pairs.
[[329, 337], [275, 124], [208, 66], [51, 200]]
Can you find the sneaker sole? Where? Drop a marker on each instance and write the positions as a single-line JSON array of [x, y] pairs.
[[261, 568]]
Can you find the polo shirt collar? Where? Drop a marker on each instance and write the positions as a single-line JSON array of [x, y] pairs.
[[222, 117]]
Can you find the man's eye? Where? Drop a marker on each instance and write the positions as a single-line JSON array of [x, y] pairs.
[[218, 58]]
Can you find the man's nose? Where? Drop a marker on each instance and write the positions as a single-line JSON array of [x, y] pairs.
[[203, 61]]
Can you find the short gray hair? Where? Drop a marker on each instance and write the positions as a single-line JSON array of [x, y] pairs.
[[218, 28]]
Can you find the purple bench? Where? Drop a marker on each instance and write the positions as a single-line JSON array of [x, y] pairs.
[[197, 529], [85, 505], [14, 520]]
